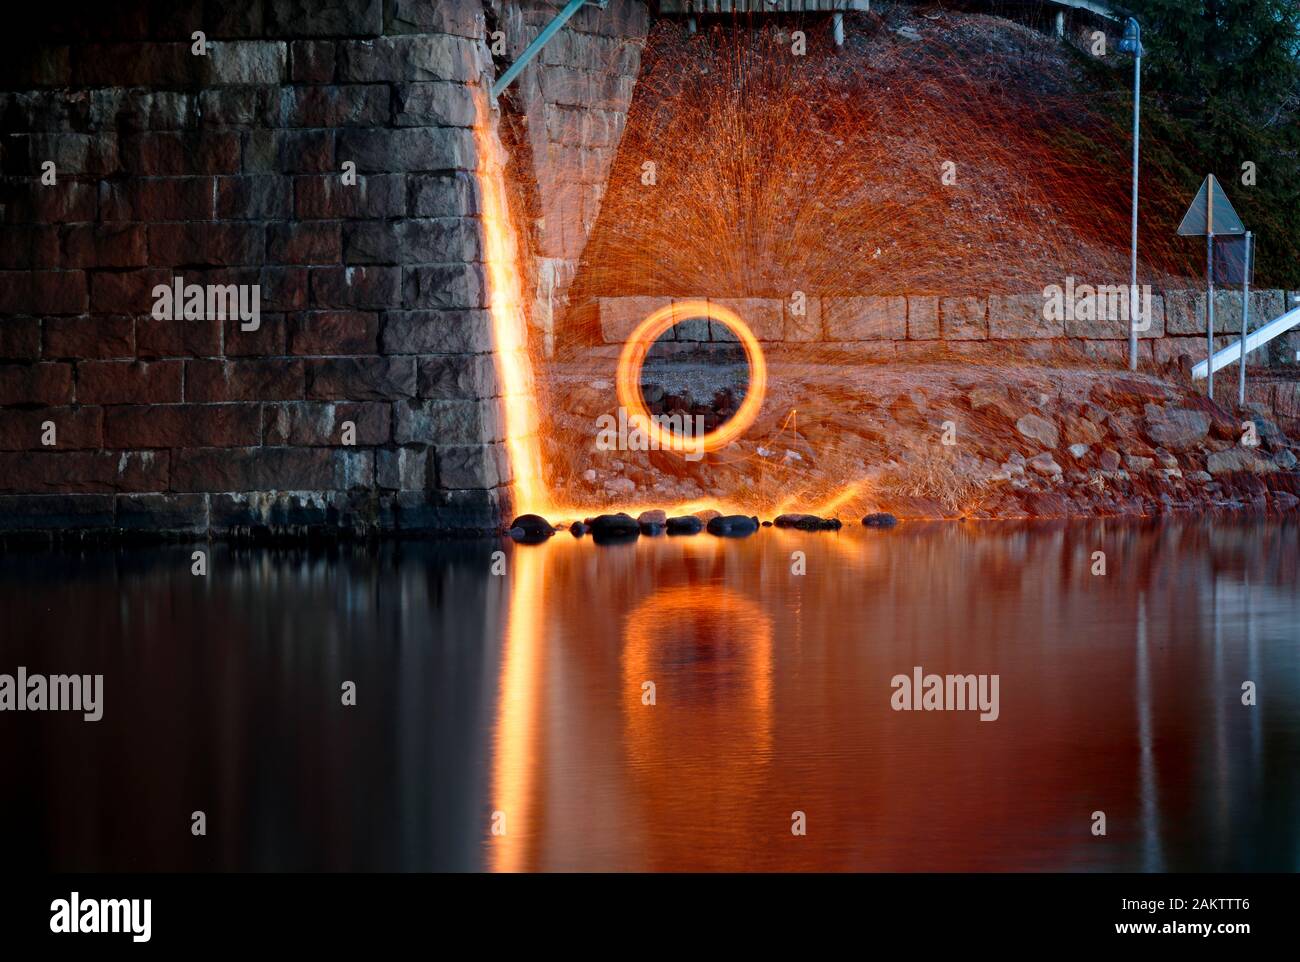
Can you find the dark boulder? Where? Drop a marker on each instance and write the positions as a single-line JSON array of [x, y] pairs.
[[530, 528], [733, 525], [577, 529], [614, 527], [880, 519], [686, 524], [807, 522]]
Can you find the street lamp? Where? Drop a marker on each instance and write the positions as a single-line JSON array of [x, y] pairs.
[[1131, 43]]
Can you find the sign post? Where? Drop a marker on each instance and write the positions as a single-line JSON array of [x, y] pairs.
[[1245, 315], [1211, 213]]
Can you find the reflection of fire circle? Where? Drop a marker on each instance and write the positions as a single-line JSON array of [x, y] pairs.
[[700, 757], [628, 380]]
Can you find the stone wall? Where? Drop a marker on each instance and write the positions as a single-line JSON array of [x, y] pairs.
[[573, 100], [226, 168], [907, 327]]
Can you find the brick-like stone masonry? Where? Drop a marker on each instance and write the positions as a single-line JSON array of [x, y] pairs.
[[912, 327], [226, 169]]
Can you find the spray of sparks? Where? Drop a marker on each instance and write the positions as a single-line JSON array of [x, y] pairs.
[[960, 156]]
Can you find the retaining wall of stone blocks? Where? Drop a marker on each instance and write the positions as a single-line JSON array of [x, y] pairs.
[[911, 326]]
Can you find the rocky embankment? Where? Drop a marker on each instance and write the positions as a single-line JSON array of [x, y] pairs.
[[949, 441]]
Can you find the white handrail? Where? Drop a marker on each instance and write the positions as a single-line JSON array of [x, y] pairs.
[[1254, 340]]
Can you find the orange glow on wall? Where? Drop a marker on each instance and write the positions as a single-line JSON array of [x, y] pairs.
[[506, 303]]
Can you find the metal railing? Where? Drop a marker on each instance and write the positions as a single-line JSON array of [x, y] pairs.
[[1254, 340]]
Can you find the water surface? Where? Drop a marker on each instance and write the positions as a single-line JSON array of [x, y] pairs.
[[517, 699]]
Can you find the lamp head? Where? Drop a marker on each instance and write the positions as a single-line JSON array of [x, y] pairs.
[[1131, 43]]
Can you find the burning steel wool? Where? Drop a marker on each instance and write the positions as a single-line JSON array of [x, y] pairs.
[[962, 163]]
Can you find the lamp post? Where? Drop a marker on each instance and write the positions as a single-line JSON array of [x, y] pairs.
[[1132, 43]]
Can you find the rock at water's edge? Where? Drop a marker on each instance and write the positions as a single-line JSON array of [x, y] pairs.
[[686, 524], [807, 522], [733, 525], [880, 519], [530, 528]]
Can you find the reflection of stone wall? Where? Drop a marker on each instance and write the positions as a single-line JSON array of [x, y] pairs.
[[910, 327]]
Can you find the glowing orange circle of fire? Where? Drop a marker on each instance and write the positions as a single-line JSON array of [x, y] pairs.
[[628, 378]]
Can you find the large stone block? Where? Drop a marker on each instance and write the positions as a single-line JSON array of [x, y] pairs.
[[247, 62], [458, 376], [619, 316], [178, 338], [922, 318], [865, 318], [129, 382], [83, 471], [54, 512], [448, 422], [445, 195], [964, 318], [444, 286], [365, 287], [105, 245], [1116, 325], [127, 292], [419, 16], [43, 292], [312, 61], [328, 198], [255, 197], [407, 149], [1021, 317], [361, 378], [1184, 312], [77, 428], [434, 104], [267, 341], [209, 381], [436, 332], [89, 337], [183, 425], [157, 199], [20, 338], [182, 513], [438, 240], [348, 105], [806, 326], [409, 59], [327, 18], [403, 469], [176, 153], [334, 332], [764, 316], [311, 242], [253, 469], [315, 424], [206, 244], [472, 465]]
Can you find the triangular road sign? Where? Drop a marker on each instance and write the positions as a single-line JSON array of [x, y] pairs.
[[1211, 212]]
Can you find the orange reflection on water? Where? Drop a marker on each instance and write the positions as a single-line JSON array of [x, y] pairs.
[[709, 655], [517, 741]]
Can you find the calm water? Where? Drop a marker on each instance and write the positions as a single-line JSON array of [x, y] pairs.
[[522, 694]]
